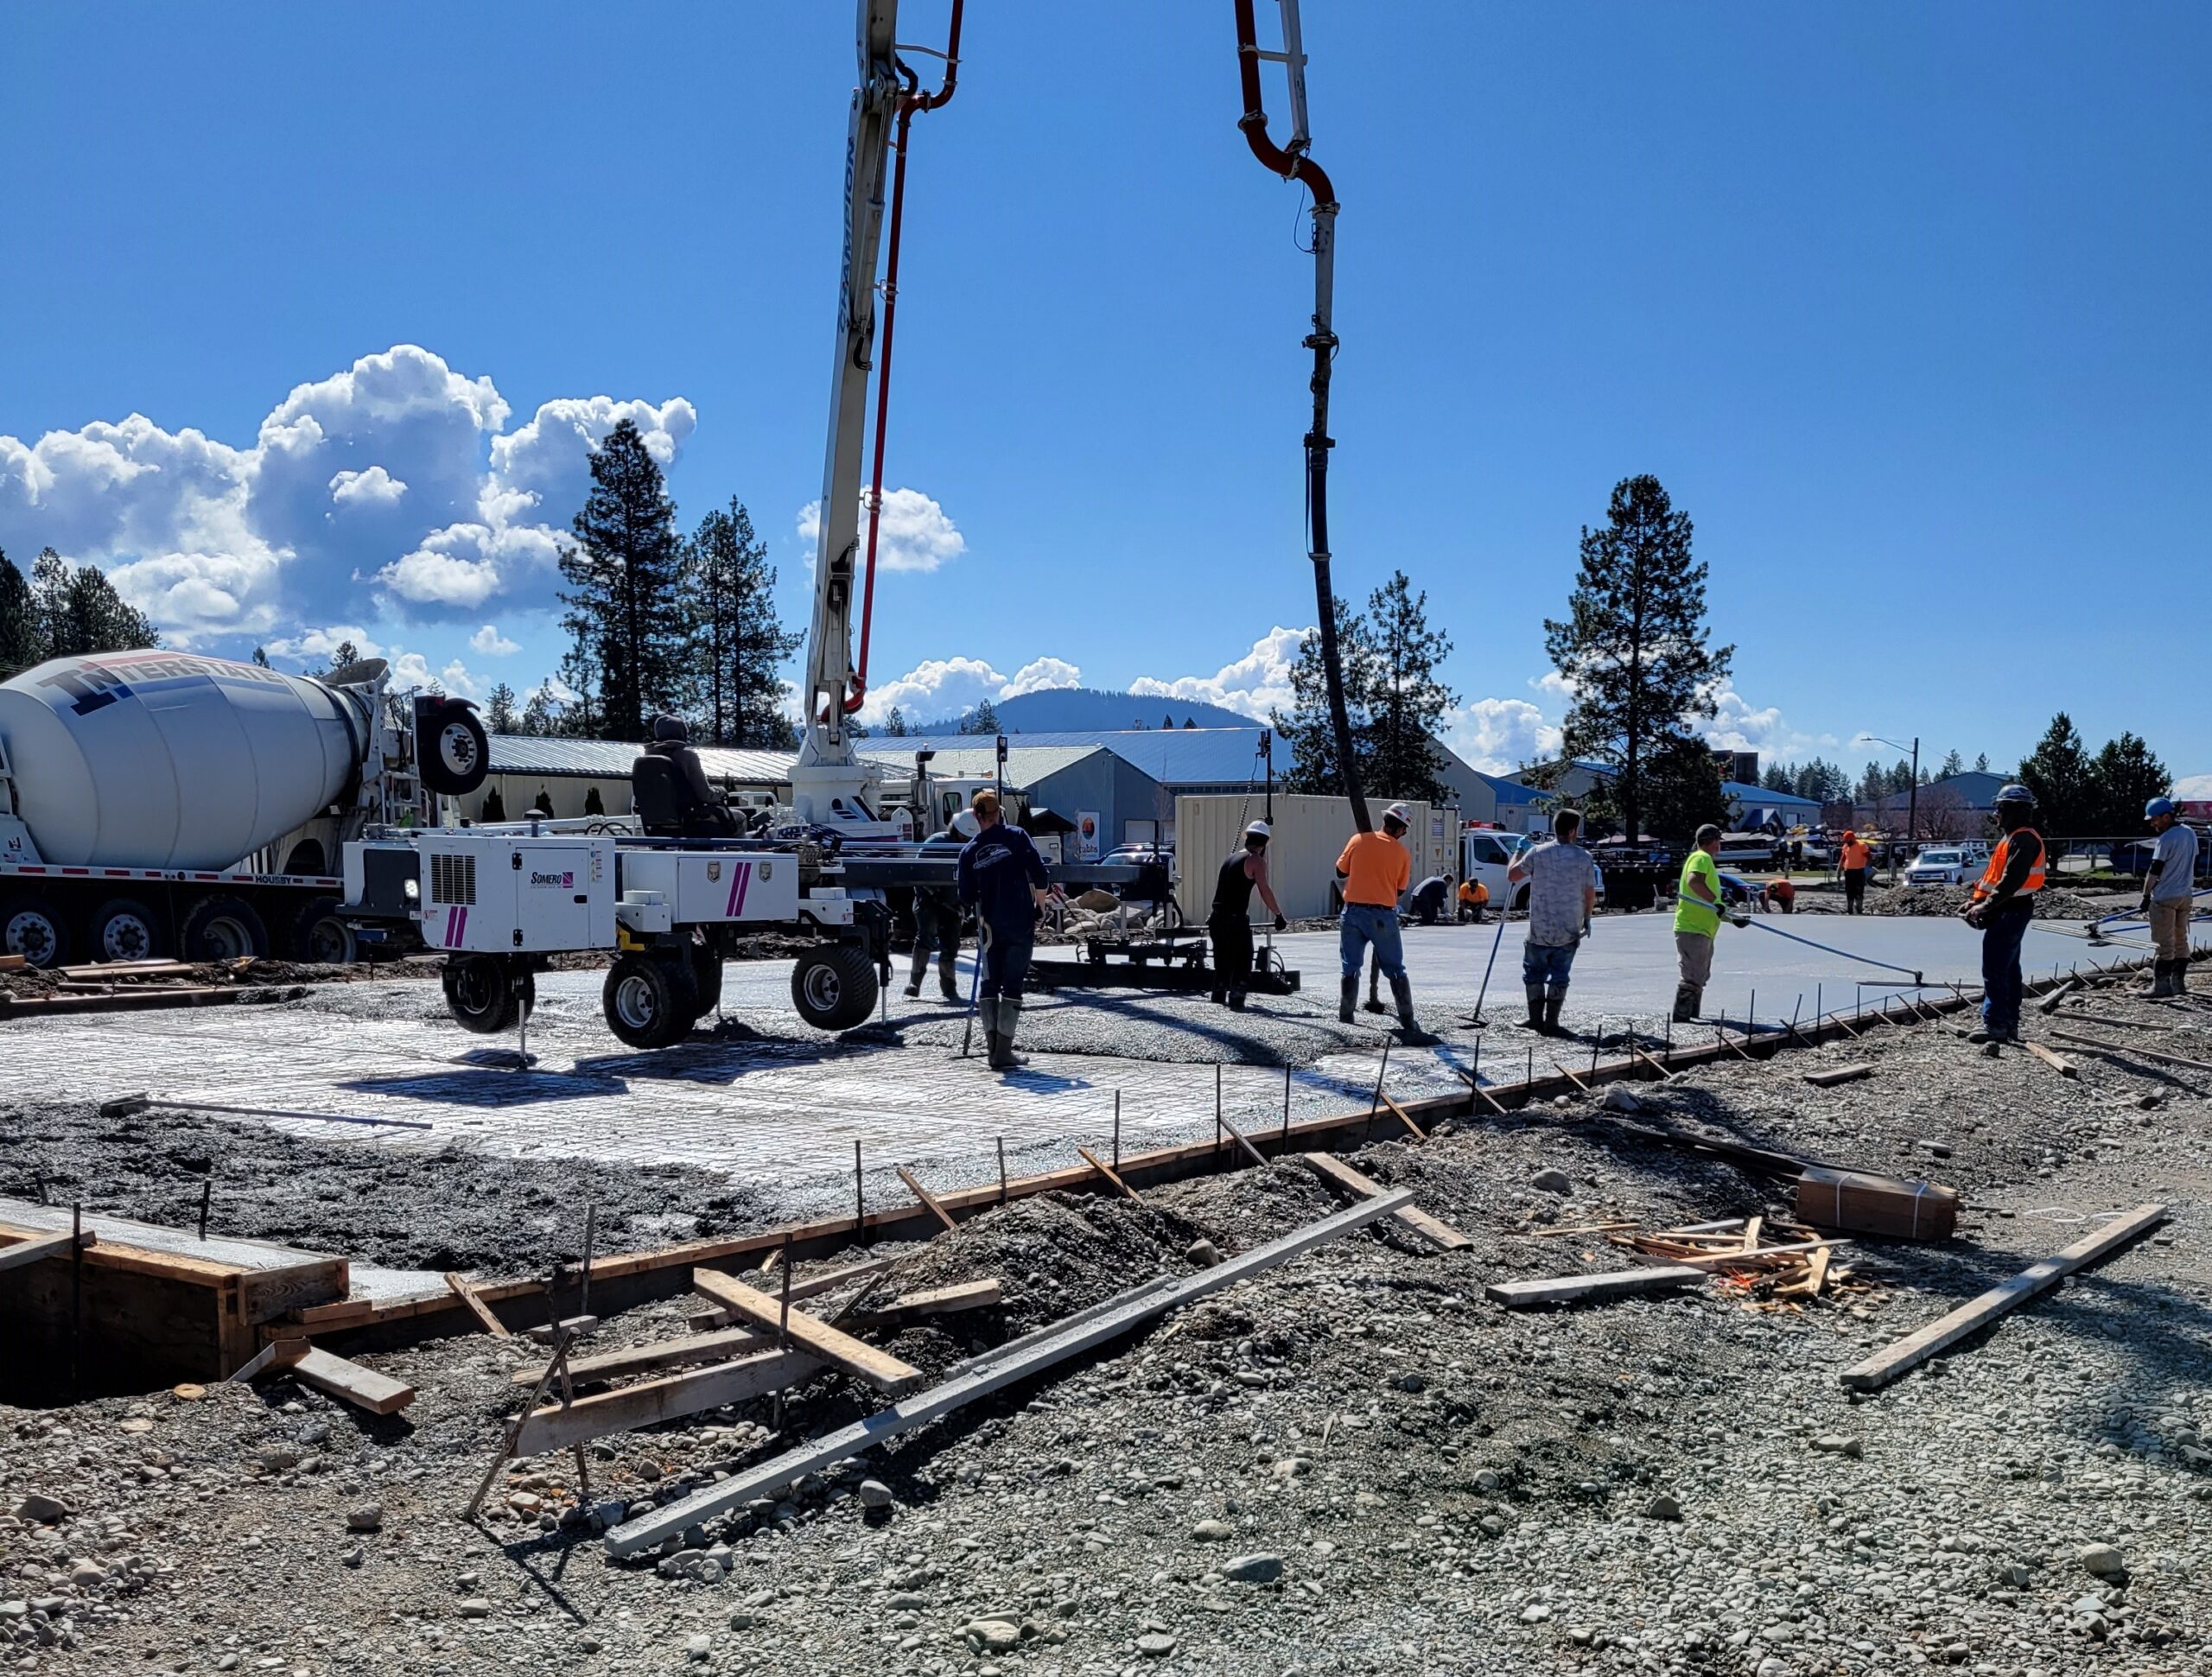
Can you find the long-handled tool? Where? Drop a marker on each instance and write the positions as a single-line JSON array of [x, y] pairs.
[[1475, 1017], [976, 984]]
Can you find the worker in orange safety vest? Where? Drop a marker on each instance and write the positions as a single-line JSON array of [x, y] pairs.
[[2004, 902]]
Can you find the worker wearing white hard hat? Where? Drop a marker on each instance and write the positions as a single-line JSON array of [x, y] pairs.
[[1229, 921]]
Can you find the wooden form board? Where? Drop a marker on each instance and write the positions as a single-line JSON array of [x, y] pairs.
[[1592, 1289], [827, 1344], [1909, 1353], [1437, 1233], [365, 1388], [1841, 1074], [2132, 1050], [2062, 1066], [562, 1424], [41, 1246]]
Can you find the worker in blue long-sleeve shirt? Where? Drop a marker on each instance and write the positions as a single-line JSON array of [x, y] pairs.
[[1002, 878]]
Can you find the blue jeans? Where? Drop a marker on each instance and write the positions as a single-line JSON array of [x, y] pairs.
[[1364, 925], [1005, 961], [1546, 966], [2000, 969]]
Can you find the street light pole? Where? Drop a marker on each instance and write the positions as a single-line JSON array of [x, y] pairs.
[[1912, 795]]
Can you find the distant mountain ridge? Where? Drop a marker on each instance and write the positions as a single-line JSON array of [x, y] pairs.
[[1062, 710]]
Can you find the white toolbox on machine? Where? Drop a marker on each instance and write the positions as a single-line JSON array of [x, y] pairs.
[[494, 898]]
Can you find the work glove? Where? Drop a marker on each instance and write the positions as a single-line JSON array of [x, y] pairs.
[[1281, 924]]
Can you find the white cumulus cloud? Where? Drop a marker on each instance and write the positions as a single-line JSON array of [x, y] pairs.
[[915, 534], [374, 487], [1741, 726], [1498, 735], [1039, 674], [1255, 683], [491, 644], [935, 689], [391, 486]]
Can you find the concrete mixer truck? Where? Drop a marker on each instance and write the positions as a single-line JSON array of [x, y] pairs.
[[161, 803]]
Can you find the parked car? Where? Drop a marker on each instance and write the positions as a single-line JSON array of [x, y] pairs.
[[1948, 865]]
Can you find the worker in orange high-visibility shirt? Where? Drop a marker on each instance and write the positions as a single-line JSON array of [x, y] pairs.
[[1374, 869], [1857, 857], [2004, 903]]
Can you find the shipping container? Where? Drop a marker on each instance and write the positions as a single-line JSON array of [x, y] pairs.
[[1310, 832]]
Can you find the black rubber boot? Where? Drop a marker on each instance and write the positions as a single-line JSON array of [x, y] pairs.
[[1237, 1001], [1347, 999], [1003, 1058], [2162, 984], [1552, 1004], [915, 983], [948, 984], [1686, 997], [1535, 994], [2181, 976], [1401, 992]]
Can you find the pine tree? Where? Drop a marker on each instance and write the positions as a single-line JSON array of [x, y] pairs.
[[80, 611], [2059, 772], [261, 657], [1776, 778], [1953, 764], [579, 718], [2124, 776], [981, 719], [1634, 644], [1407, 699], [537, 714], [628, 608], [346, 653], [739, 642], [1308, 730], [1682, 791], [895, 724], [1981, 764], [500, 710], [23, 643]]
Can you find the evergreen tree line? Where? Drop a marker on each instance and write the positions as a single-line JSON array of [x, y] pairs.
[[2078, 794], [659, 621], [1396, 698], [63, 611]]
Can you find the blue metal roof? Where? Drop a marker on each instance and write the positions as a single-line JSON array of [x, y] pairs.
[[1760, 794], [1172, 756]]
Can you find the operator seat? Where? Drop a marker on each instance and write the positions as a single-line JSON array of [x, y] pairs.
[[669, 790]]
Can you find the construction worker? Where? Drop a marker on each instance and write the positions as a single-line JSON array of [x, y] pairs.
[[2169, 893], [936, 916], [1781, 895], [1002, 878], [1229, 921], [1374, 868], [2004, 902], [1427, 904], [1857, 857], [1562, 896], [1698, 910], [1474, 897]]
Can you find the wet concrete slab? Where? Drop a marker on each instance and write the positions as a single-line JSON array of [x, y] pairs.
[[767, 1100]]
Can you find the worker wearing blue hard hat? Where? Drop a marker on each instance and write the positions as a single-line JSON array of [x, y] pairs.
[[2168, 895], [2004, 903]]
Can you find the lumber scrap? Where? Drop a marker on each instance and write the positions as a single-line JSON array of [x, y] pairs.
[[1021, 1359], [558, 1424], [914, 1187], [1841, 1074], [2049, 1003], [1251, 1151], [813, 1288], [2130, 1050], [276, 1354], [467, 1294], [43, 1246], [1585, 1229], [1807, 1286], [931, 1302], [1915, 1349], [1742, 1257], [827, 1344], [365, 1388], [2115, 1022], [2062, 1066], [1335, 1172], [1593, 1289], [1108, 1173]]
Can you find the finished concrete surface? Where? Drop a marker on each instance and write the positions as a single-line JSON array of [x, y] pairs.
[[768, 1100]]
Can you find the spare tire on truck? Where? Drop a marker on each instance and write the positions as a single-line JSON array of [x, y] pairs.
[[223, 928], [453, 753]]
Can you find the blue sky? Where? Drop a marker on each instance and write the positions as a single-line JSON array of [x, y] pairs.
[[1905, 304]]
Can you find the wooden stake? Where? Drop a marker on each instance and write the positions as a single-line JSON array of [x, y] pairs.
[[477, 1307], [1108, 1173], [929, 1199]]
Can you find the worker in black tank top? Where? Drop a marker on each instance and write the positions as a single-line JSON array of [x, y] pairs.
[[1230, 922]]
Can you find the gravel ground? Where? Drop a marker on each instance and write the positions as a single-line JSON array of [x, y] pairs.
[[1351, 1463]]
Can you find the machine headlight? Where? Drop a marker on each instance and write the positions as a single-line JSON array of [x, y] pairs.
[[414, 890]]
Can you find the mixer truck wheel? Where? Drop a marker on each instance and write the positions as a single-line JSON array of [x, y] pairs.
[[484, 996], [322, 936], [834, 988], [223, 928], [651, 1000], [30, 928], [125, 929]]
